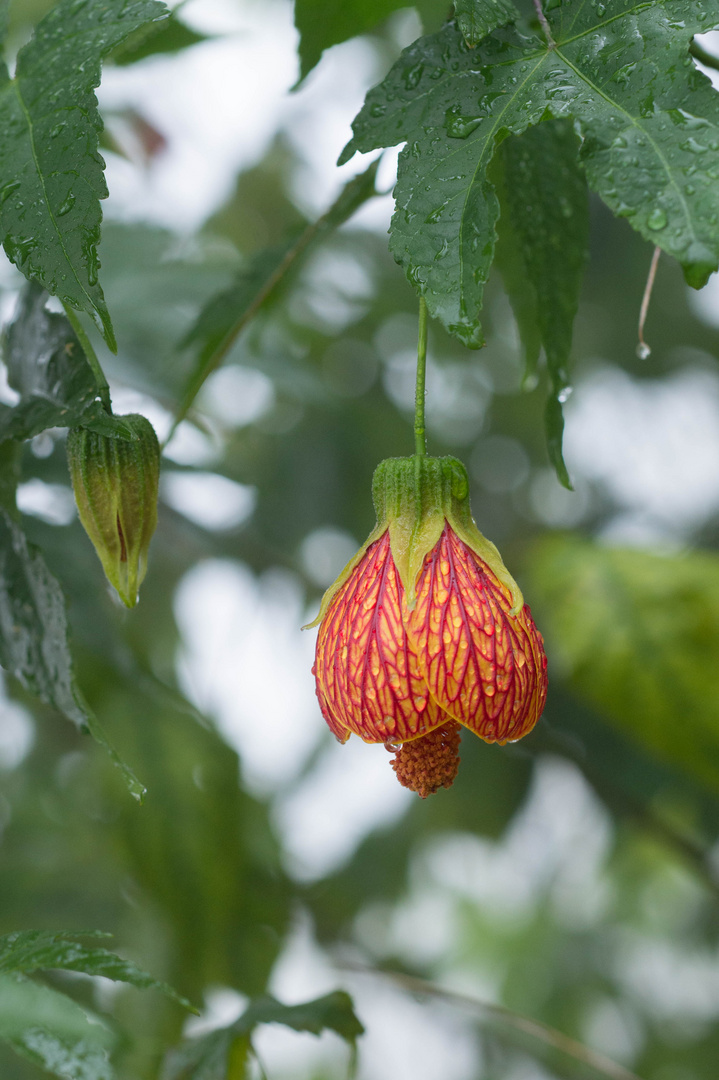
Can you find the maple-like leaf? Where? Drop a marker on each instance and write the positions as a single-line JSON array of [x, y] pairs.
[[648, 121]]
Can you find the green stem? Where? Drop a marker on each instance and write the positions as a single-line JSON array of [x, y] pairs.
[[420, 435], [102, 388], [703, 56]]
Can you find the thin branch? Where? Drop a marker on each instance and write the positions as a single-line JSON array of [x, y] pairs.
[[546, 739], [546, 29], [486, 1011], [703, 56], [643, 350], [248, 313]]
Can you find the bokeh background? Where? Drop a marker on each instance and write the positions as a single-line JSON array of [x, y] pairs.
[[573, 878]]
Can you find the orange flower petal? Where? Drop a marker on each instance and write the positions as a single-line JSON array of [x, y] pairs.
[[368, 677], [485, 667]]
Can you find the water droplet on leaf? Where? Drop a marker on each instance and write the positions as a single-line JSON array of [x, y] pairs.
[[657, 219]]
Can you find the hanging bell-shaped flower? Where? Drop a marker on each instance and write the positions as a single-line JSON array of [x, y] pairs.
[[425, 631], [115, 483]]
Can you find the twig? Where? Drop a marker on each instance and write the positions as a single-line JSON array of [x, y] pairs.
[[703, 56], [547, 739], [546, 29], [643, 350], [219, 354], [484, 1009]]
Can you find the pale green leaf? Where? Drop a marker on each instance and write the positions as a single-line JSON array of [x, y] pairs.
[[207, 1058], [51, 174], [637, 635], [477, 18], [34, 636], [52, 1031], [648, 121], [26, 951], [225, 315]]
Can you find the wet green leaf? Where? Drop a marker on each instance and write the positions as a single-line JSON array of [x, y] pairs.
[[50, 1030], [544, 210], [637, 635], [51, 177], [647, 118], [477, 18], [34, 636], [47, 367], [27, 951], [207, 1058]]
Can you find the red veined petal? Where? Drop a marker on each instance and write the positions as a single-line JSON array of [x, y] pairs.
[[484, 666], [367, 674]]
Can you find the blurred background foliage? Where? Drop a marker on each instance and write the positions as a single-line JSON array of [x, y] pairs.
[[573, 878]]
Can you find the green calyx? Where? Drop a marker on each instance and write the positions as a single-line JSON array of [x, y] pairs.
[[115, 481], [414, 497]]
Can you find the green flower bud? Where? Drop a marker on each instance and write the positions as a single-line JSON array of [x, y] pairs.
[[115, 483]]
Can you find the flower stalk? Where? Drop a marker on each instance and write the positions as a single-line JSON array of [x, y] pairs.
[[420, 434]]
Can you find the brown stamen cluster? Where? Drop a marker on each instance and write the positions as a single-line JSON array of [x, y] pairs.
[[426, 764]]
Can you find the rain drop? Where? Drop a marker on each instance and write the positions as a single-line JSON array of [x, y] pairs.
[[67, 206], [413, 75], [657, 219], [643, 350]]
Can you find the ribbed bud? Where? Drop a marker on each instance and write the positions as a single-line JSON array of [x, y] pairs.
[[115, 483], [425, 629]]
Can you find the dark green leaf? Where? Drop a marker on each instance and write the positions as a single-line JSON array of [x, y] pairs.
[[9, 473], [543, 194], [638, 636], [477, 18], [166, 37], [50, 1030], [27, 951], [47, 367], [647, 118], [207, 1058], [224, 317], [323, 23], [51, 178], [33, 636]]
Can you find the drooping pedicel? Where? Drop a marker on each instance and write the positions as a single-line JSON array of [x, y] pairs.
[[425, 630], [116, 483]]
